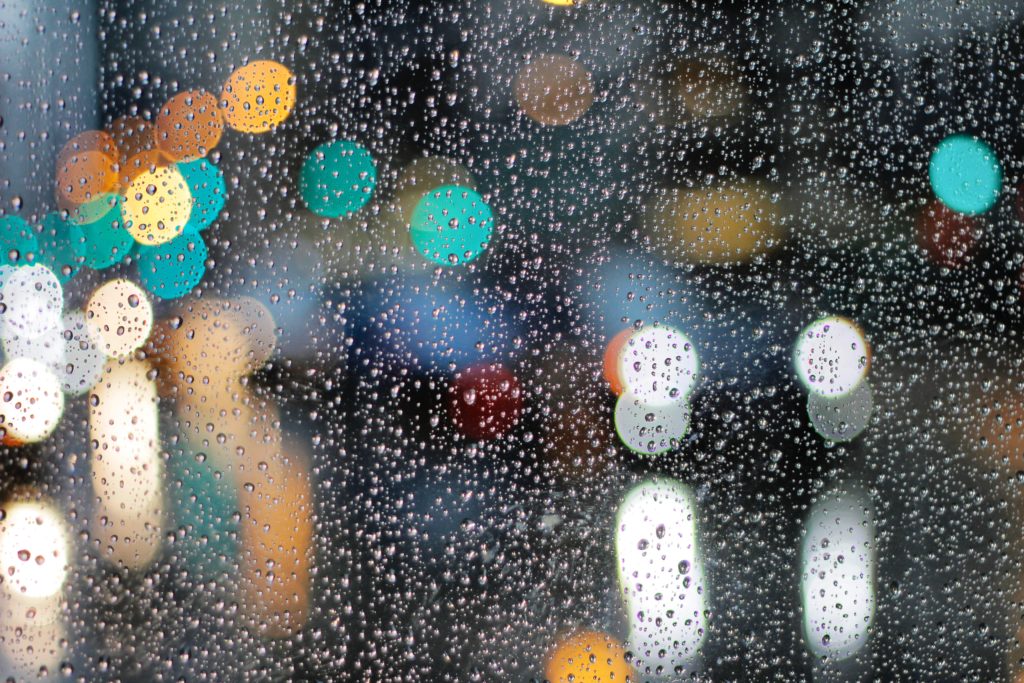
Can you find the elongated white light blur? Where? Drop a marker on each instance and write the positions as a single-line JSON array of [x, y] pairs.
[[838, 578], [660, 575]]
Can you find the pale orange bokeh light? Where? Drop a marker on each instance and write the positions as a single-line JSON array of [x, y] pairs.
[[86, 168], [119, 316], [554, 90], [204, 352], [132, 135], [147, 161], [126, 468]]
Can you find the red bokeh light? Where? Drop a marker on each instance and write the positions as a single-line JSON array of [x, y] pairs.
[[486, 401], [946, 235]]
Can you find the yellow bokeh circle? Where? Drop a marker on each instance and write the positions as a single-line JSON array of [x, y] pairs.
[[157, 205], [258, 96]]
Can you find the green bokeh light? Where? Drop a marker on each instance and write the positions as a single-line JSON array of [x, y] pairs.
[[173, 269], [965, 174], [338, 178], [451, 225]]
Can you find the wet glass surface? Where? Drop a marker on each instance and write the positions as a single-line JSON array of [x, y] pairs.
[[511, 340]]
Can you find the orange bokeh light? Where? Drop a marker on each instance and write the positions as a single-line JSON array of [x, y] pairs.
[[189, 125], [611, 360], [588, 657], [258, 97], [132, 135]]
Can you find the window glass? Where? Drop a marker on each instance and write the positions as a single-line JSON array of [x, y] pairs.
[[511, 340]]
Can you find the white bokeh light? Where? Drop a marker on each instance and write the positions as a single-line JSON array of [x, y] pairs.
[[658, 365], [650, 429], [83, 360], [31, 400], [31, 300], [844, 417], [838, 575], [831, 356], [34, 546], [661, 575]]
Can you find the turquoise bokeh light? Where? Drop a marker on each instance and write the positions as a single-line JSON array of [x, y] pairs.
[[107, 241], [206, 183], [173, 269], [18, 241], [338, 178], [61, 246], [451, 225], [965, 174]]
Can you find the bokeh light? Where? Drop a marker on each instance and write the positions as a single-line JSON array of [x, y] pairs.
[[486, 401], [83, 361], [31, 401], [127, 470], [661, 575], [206, 184], [173, 269], [32, 301], [132, 135], [337, 178], [831, 356], [650, 429], [451, 225], [214, 341], [120, 317], [276, 537], [587, 657], [157, 205], [610, 364], [948, 237], [86, 168], [965, 174], [18, 240], [258, 97], [844, 417], [721, 225], [658, 365], [107, 240], [553, 89], [189, 125], [838, 575], [47, 348], [709, 88], [61, 246], [34, 548]]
